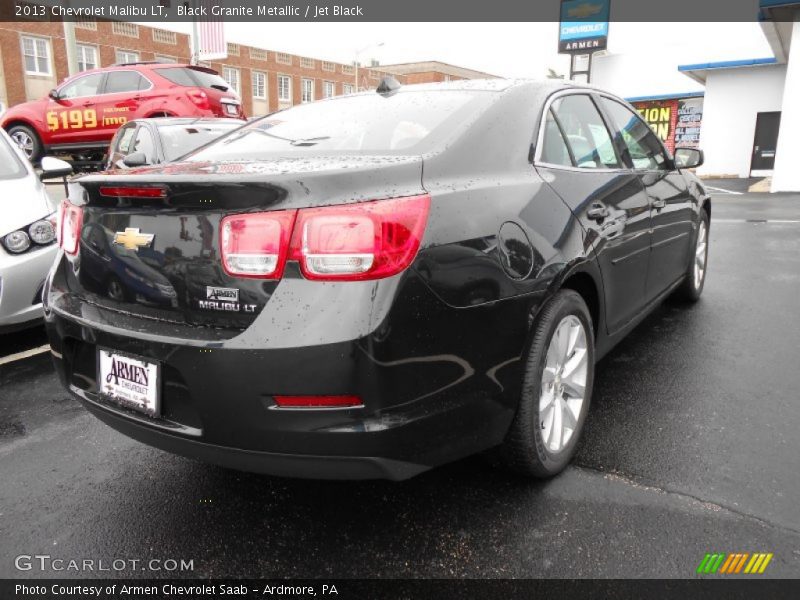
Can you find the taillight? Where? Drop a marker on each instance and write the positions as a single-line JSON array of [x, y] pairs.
[[69, 227], [200, 99], [318, 401], [133, 192], [255, 244], [350, 242], [369, 240]]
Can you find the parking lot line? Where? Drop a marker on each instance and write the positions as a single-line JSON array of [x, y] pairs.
[[759, 221], [723, 191], [25, 354]]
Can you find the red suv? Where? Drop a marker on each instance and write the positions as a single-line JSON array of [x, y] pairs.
[[80, 116]]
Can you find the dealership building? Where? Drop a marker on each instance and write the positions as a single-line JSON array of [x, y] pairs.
[[744, 114]]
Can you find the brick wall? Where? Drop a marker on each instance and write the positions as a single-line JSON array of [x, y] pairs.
[[108, 42]]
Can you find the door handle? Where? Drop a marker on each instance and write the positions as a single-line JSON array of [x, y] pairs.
[[659, 204], [597, 212]]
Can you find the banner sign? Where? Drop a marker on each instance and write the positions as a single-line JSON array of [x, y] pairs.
[[676, 121], [584, 26]]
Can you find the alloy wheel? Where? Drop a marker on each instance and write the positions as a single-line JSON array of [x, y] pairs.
[[24, 141], [563, 388], [700, 255]]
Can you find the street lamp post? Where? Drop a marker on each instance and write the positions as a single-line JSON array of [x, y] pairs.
[[359, 52]]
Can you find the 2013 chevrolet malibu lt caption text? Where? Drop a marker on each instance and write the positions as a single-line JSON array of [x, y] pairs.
[[372, 285]]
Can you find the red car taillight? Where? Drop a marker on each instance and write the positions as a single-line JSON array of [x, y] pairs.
[[68, 231], [256, 244], [200, 99], [370, 240], [352, 242]]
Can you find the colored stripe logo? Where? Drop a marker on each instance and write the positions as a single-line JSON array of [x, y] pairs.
[[734, 563]]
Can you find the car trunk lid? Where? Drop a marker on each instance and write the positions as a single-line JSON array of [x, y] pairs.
[[150, 239]]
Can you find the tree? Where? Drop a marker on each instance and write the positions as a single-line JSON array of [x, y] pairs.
[[551, 74]]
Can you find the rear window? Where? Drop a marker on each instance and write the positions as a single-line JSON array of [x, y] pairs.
[[178, 140], [11, 166], [193, 78], [368, 123]]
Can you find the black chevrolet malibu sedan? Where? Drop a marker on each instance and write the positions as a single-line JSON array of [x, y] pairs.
[[373, 285]]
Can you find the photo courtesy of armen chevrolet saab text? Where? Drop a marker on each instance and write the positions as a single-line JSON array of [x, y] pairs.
[[373, 285]]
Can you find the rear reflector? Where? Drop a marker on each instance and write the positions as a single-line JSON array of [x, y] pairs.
[[318, 401], [68, 229], [255, 244], [369, 240], [133, 192]]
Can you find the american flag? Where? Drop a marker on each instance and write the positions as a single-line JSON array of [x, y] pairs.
[[211, 34]]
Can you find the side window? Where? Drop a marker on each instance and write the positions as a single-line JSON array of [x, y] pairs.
[[123, 142], [554, 148], [118, 82], [144, 143], [85, 86], [643, 145], [586, 132]]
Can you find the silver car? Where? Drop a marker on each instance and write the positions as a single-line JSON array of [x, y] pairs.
[[27, 237]]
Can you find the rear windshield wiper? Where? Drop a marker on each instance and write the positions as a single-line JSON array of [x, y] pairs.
[[221, 88]]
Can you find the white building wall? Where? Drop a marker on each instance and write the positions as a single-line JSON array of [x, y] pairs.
[[733, 99], [786, 177], [641, 74]]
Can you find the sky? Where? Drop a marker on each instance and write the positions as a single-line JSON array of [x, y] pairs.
[[503, 49]]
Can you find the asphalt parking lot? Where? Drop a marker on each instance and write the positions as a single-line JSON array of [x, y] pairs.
[[691, 447]]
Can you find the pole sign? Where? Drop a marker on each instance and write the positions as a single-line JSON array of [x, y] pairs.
[[584, 26]]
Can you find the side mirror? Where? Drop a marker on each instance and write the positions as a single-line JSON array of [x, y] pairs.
[[688, 158], [54, 94], [54, 167], [135, 159]]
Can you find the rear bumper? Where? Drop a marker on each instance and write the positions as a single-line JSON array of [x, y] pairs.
[[434, 386], [271, 463]]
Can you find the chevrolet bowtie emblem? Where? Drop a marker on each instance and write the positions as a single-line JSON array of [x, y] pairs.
[[131, 239]]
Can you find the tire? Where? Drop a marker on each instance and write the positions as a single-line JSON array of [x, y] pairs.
[[529, 446], [27, 139], [116, 291], [692, 285]]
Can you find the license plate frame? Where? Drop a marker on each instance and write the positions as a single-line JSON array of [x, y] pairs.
[[148, 403], [231, 109]]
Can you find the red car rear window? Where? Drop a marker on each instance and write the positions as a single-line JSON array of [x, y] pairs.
[[193, 78]]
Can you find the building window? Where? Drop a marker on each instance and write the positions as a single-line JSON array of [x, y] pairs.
[[259, 85], [258, 54], [163, 58], [87, 57], [306, 63], [328, 66], [125, 28], [85, 23], [36, 53], [284, 88], [233, 49], [328, 89], [283, 58], [127, 56], [163, 36], [348, 69], [308, 90], [347, 88], [231, 76]]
